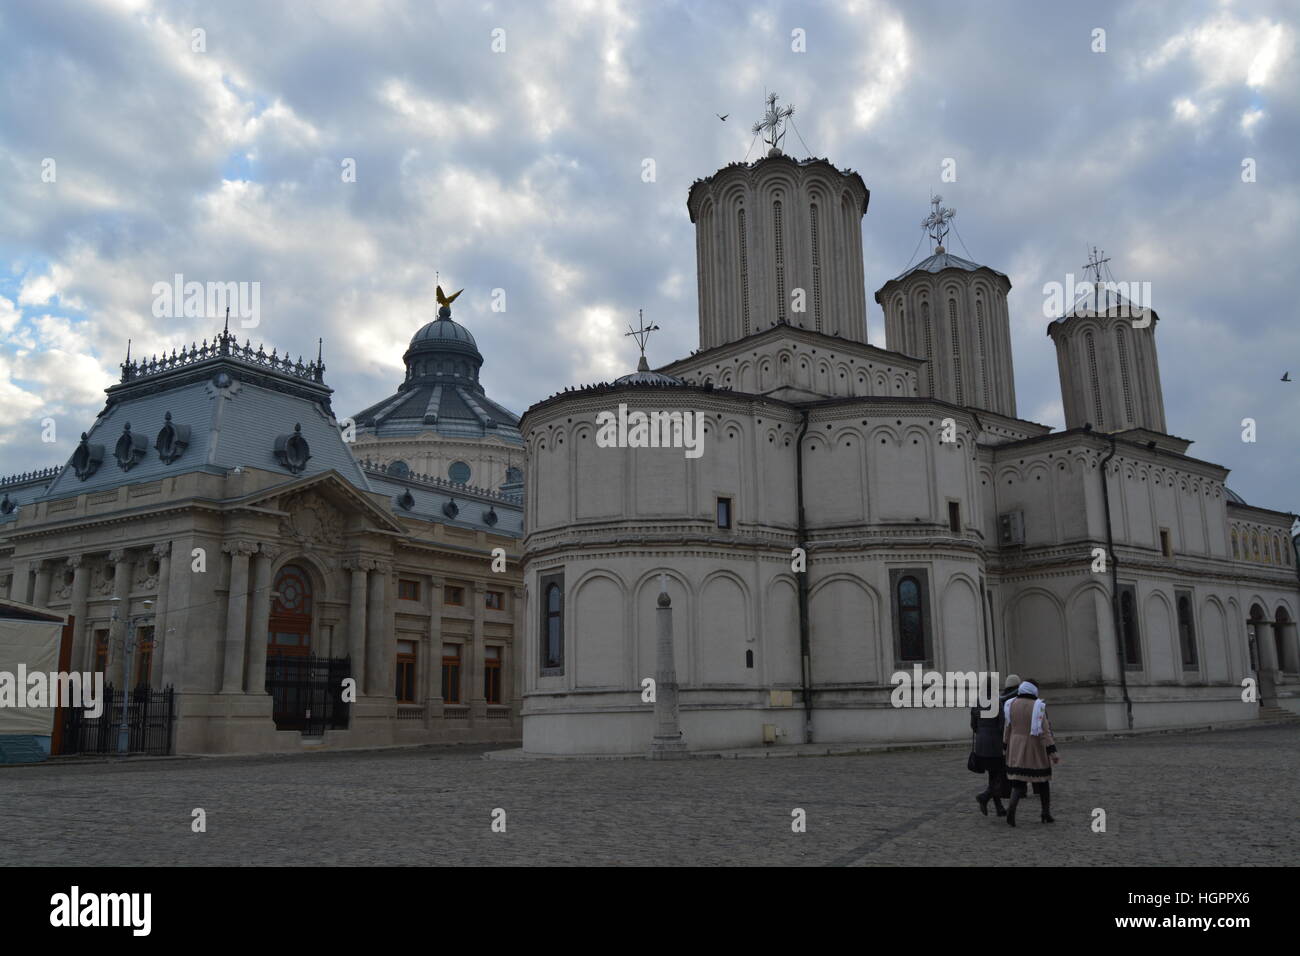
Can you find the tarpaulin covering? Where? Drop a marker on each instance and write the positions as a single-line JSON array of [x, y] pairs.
[[35, 644]]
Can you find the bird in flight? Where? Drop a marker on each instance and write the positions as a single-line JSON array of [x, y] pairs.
[[1286, 376], [442, 297], [722, 116]]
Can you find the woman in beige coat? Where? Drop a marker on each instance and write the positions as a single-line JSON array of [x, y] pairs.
[[1030, 749]]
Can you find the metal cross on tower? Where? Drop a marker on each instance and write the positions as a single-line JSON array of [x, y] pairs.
[[936, 224], [772, 125], [641, 334], [1095, 264]]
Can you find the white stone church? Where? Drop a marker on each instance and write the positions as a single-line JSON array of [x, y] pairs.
[[978, 552]]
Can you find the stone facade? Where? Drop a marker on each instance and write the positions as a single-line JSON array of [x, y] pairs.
[[945, 534], [203, 553]]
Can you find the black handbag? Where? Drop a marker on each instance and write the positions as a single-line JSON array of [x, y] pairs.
[[973, 762]]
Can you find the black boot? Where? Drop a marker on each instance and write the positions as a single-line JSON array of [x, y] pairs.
[[1047, 803], [997, 805], [1011, 810], [983, 800]]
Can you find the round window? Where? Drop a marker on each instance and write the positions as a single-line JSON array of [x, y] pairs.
[[459, 471]]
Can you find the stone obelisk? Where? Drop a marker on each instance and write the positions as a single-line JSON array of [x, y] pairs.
[[667, 743]]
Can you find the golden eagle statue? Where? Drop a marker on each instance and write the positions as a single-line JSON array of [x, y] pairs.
[[444, 300]]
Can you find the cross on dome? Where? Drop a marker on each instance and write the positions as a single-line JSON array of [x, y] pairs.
[[936, 224]]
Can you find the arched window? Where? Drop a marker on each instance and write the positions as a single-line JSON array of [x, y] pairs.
[[1257, 618], [1094, 382], [1122, 346], [956, 349], [912, 641], [778, 242], [816, 268], [1254, 545], [1236, 551], [986, 398], [1277, 550], [553, 626], [289, 630], [1186, 632], [744, 271], [929, 345], [1129, 626]]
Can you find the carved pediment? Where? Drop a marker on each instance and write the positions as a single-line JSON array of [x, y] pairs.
[[312, 521]]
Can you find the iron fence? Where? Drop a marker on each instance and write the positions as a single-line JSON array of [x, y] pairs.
[[308, 693], [149, 716]]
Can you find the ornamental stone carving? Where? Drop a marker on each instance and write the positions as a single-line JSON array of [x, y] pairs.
[[312, 522], [239, 546]]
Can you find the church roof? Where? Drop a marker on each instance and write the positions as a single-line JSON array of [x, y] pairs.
[[942, 260], [210, 408]]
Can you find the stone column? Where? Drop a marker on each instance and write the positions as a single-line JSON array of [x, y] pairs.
[[357, 621], [232, 679], [667, 743], [161, 638], [477, 654], [433, 701], [512, 670], [19, 583], [379, 678], [77, 608], [44, 572], [255, 680], [123, 568]]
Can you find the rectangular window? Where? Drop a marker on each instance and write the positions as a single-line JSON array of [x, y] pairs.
[[954, 517], [551, 607], [408, 590], [1130, 632], [910, 600], [451, 673], [1186, 630], [492, 674], [494, 600], [143, 673], [724, 512], [1166, 546], [406, 656], [101, 654], [453, 596]]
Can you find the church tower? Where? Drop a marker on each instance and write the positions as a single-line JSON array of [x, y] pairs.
[[779, 242], [1106, 358], [953, 313]]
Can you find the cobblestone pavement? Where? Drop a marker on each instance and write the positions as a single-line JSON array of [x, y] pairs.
[[1223, 798]]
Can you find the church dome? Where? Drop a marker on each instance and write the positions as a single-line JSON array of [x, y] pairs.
[[444, 334], [441, 391]]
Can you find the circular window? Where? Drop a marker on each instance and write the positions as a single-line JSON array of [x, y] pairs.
[[459, 471], [398, 468]]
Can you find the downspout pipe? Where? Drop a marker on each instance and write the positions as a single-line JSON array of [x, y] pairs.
[[805, 649], [1114, 586]]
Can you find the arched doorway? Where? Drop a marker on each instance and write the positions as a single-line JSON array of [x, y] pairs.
[[1257, 628], [1282, 635], [289, 630]]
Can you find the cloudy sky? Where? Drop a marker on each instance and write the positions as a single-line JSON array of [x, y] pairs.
[[521, 169]]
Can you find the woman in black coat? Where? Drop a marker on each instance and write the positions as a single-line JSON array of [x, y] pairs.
[[988, 749]]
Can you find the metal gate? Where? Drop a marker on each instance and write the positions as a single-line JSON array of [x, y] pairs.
[[308, 692], [149, 715]]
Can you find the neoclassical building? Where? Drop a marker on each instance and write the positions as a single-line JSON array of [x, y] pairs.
[[937, 527], [214, 525]]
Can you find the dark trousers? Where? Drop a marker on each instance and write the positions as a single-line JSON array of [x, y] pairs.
[[994, 788], [1043, 788]]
